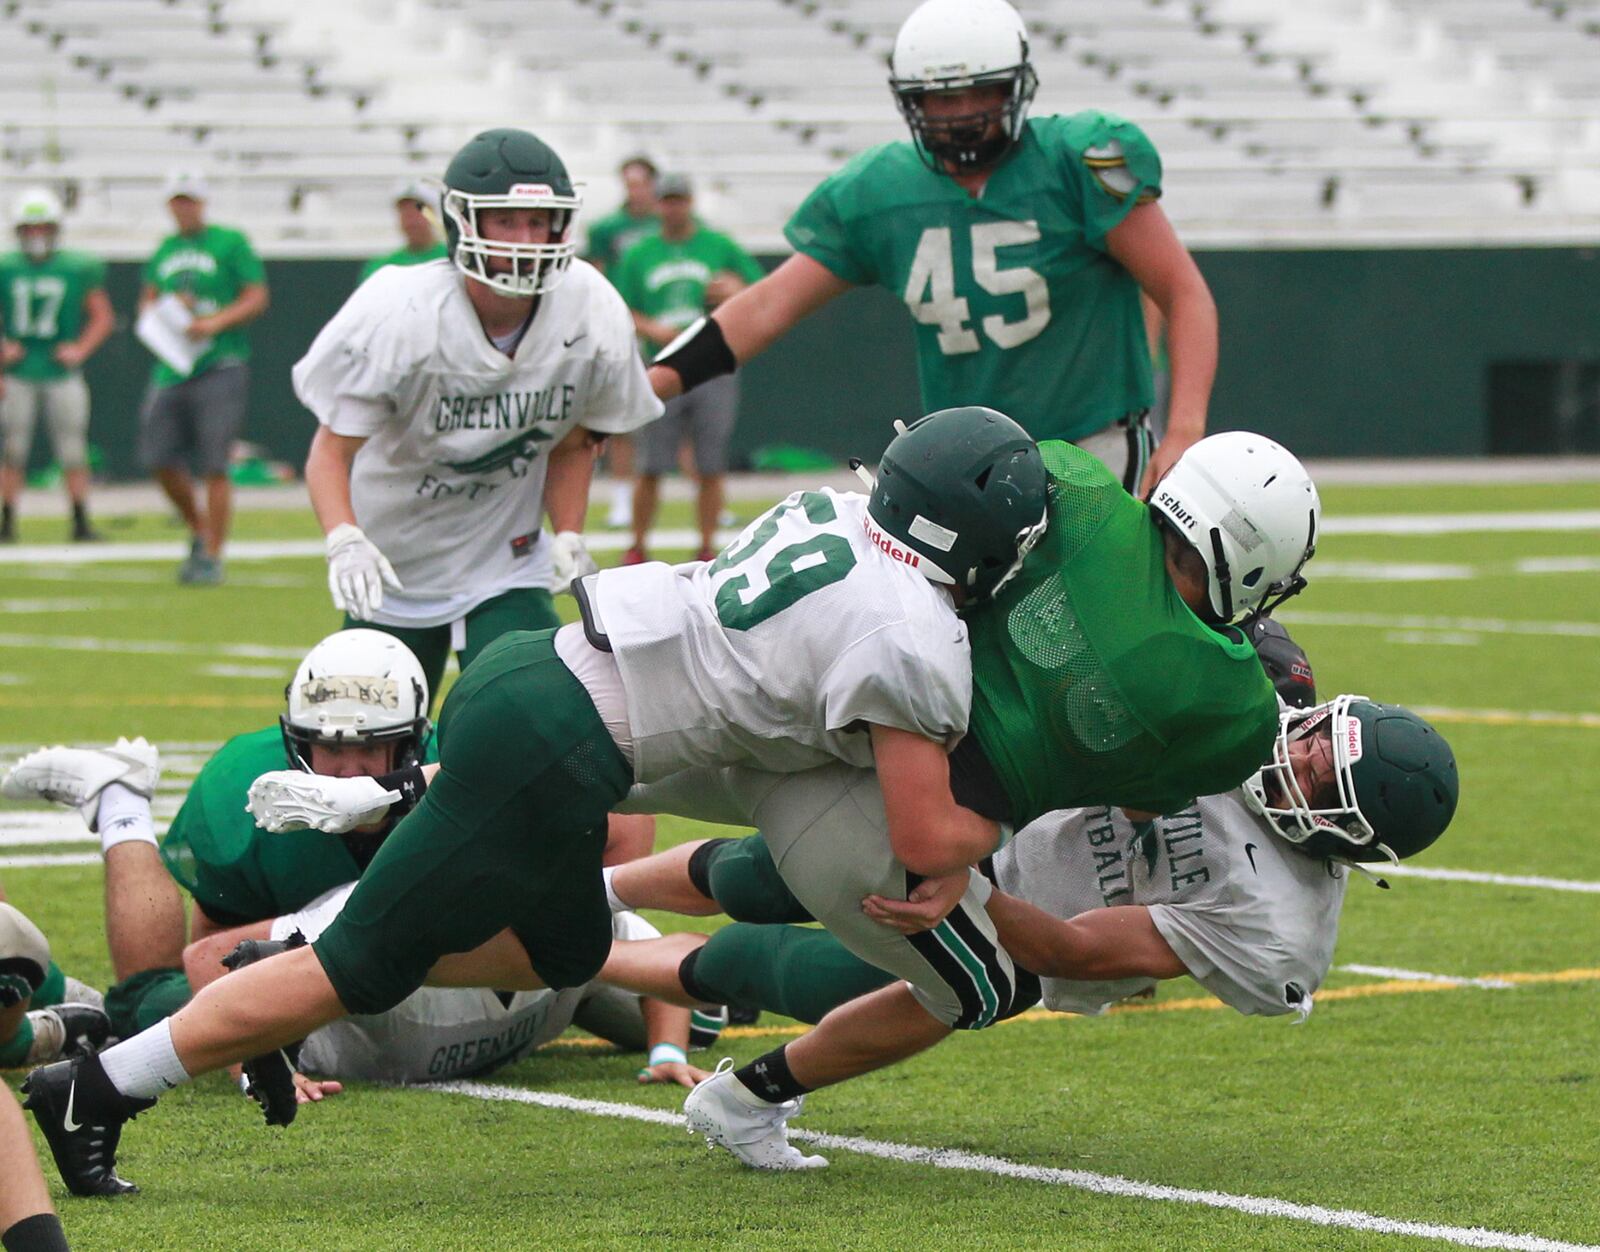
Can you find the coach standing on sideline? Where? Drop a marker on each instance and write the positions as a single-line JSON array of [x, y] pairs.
[[216, 273]]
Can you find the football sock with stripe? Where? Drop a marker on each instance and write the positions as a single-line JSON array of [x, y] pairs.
[[768, 1078]]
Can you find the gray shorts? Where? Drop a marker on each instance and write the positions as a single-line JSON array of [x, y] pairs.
[[829, 839], [65, 402], [196, 420], [1124, 447], [705, 417]]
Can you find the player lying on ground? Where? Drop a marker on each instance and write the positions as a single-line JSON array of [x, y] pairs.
[[545, 733], [460, 403], [44, 1015]]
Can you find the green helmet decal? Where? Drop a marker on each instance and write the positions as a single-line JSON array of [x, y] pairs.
[[1384, 787], [509, 169], [961, 496]]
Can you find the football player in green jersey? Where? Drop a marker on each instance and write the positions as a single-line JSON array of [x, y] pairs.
[[415, 207], [1020, 247], [54, 315]]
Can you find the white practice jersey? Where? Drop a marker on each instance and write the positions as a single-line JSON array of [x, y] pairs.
[[437, 1033], [450, 484], [1253, 919], [780, 652]]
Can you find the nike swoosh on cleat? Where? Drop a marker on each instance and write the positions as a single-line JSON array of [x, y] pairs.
[[67, 1123]]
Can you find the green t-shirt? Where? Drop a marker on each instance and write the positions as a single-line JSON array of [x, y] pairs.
[[402, 256], [666, 279], [615, 233], [41, 306], [1093, 682], [236, 871], [1017, 302], [214, 267]]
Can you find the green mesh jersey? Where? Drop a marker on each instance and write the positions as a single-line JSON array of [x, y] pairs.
[[236, 871], [41, 306], [1017, 302], [666, 279], [402, 256], [212, 267], [1093, 683], [615, 233]]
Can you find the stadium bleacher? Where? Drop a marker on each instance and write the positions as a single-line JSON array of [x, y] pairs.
[[1321, 122]]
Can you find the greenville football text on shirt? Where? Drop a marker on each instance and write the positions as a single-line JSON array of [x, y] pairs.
[[1018, 304], [450, 483]]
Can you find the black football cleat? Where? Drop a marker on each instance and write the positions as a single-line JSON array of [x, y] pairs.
[[82, 1116], [269, 1078]]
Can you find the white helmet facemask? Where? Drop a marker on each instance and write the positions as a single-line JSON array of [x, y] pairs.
[[535, 267], [1251, 511], [1276, 794]]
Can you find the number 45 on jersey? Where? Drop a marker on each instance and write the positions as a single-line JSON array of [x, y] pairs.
[[933, 275]]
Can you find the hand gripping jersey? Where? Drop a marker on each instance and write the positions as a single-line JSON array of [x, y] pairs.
[[236, 871], [439, 1033], [1253, 919], [1093, 683], [41, 307], [1018, 303], [780, 652], [450, 484]]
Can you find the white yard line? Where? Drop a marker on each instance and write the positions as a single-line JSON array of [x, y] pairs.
[[162, 647], [1077, 1179], [1417, 975], [1489, 880], [1473, 625], [1460, 523]]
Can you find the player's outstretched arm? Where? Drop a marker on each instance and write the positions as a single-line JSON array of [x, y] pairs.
[[1149, 249], [930, 833], [750, 322], [1102, 944]]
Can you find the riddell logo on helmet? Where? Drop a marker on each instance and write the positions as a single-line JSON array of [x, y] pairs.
[[1175, 509], [531, 189], [888, 546], [1352, 740]]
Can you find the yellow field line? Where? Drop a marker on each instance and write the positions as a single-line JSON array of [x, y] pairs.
[[1393, 987]]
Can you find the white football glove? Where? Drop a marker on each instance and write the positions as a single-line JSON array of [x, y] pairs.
[[287, 799], [357, 572], [569, 560]]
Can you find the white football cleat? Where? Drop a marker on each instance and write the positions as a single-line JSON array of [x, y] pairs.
[[77, 776], [290, 799], [728, 1115]]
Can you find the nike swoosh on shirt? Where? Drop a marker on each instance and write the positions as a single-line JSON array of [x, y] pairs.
[[67, 1123], [1250, 851], [567, 343]]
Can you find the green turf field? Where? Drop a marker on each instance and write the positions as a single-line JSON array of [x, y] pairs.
[[1403, 1099]]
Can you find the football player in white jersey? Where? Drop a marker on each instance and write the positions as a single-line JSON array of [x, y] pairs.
[[460, 403], [500, 860]]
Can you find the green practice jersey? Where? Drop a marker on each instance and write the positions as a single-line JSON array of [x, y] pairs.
[[1093, 682], [1017, 302], [666, 279], [213, 267], [615, 233], [41, 306], [402, 256], [236, 871]]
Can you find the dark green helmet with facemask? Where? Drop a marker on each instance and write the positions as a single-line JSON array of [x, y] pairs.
[[509, 169], [960, 496]]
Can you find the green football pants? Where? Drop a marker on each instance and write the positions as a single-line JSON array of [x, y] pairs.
[[509, 833], [521, 608]]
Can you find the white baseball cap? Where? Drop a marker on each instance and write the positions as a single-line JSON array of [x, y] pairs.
[[191, 184], [424, 191]]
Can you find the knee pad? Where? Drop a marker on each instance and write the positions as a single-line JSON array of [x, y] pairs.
[[739, 874], [24, 956]]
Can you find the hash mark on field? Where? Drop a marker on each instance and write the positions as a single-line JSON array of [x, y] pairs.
[[1077, 1179], [1414, 975]]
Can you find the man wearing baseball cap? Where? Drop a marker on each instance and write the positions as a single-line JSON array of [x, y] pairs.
[[416, 206], [190, 419]]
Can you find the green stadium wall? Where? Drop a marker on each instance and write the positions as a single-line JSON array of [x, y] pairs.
[[1373, 352]]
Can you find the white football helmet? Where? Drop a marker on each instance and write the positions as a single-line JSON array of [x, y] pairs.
[[946, 45], [361, 686], [1251, 511], [37, 206]]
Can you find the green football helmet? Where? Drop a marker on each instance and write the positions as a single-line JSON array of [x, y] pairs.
[[960, 496], [509, 169], [1393, 787]]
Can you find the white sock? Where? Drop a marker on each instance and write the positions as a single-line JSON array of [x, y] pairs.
[[146, 1065], [124, 815], [618, 905]]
